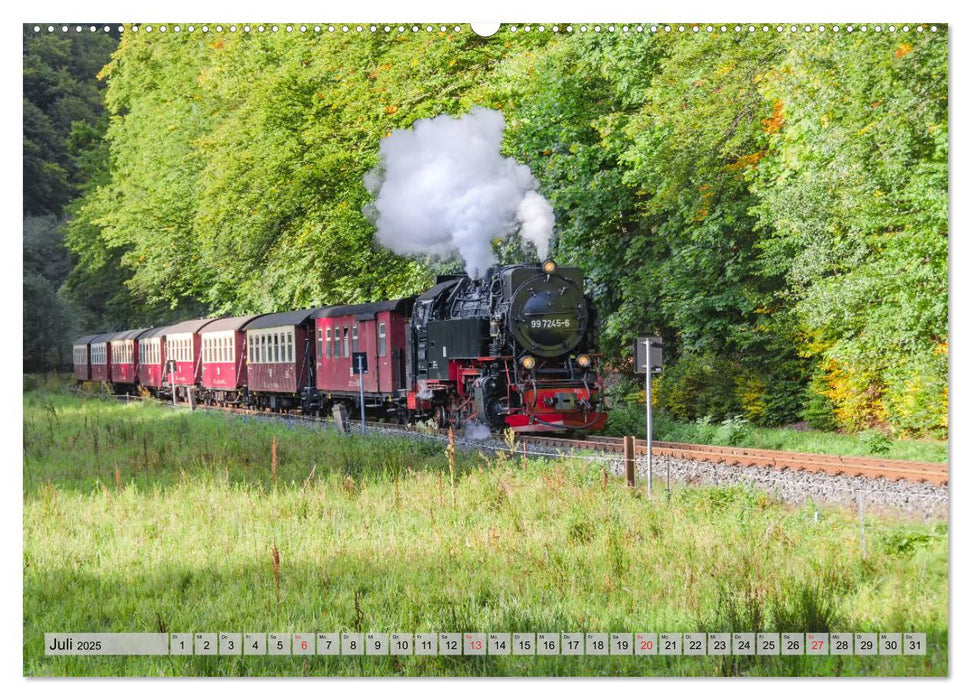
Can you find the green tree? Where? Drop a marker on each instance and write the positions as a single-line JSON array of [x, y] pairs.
[[62, 126], [237, 162], [49, 322], [59, 91], [854, 205]]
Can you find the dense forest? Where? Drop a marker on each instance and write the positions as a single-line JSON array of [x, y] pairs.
[[64, 126], [773, 204]]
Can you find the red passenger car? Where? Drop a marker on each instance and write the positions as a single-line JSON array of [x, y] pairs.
[[100, 353], [224, 359], [182, 344], [280, 358], [151, 359], [124, 358], [82, 358], [378, 329]]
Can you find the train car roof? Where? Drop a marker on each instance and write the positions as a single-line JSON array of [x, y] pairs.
[[230, 323], [156, 332], [193, 326], [127, 335], [364, 312], [100, 338], [85, 339], [284, 318]]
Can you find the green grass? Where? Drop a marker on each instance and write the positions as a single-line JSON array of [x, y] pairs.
[[629, 420], [182, 541]]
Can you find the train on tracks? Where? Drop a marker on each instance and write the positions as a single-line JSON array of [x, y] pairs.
[[515, 349]]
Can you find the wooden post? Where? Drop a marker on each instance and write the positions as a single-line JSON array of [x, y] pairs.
[[524, 454], [629, 459], [273, 461], [451, 460]]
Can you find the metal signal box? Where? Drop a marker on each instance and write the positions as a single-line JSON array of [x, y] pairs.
[[656, 354]]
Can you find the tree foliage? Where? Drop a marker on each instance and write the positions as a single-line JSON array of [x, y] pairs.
[[48, 317], [775, 206], [63, 126], [59, 94]]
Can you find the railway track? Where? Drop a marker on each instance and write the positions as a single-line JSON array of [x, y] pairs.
[[870, 467], [838, 465]]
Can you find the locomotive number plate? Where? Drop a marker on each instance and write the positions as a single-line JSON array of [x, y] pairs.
[[551, 323]]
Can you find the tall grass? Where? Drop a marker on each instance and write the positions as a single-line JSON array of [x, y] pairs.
[[365, 534]]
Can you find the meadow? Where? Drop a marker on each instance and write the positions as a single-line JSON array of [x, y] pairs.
[[140, 517]]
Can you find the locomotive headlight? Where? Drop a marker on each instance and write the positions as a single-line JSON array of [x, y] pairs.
[[529, 362], [583, 360], [549, 267]]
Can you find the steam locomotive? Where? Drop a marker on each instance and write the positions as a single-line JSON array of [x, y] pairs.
[[515, 349]]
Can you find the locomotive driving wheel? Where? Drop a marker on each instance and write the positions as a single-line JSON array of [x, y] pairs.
[[441, 417]]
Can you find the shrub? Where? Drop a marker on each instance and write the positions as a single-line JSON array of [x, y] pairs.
[[876, 441], [819, 410], [916, 400], [627, 419], [697, 386], [733, 431], [751, 392], [906, 543], [855, 394]]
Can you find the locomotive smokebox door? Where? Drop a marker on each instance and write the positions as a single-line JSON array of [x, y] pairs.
[[359, 362], [640, 353]]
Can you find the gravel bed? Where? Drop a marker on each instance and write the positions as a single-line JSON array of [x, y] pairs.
[[921, 500]]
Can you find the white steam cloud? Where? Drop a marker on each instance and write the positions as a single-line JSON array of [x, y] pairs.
[[443, 187], [474, 430]]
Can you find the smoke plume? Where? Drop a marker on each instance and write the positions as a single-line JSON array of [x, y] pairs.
[[442, 187]]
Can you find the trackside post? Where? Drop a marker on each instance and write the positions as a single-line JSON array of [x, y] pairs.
[[170, 366], [360, 367], [649, 422], [648, 359]]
